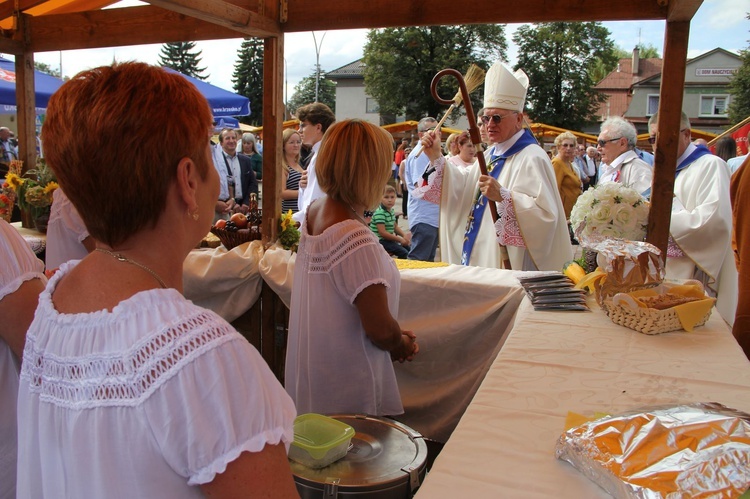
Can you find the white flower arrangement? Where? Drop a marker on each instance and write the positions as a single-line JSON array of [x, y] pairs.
[[611, 210]]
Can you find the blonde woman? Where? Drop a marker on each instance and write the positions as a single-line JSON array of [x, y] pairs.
[[291, 170], [343, 334], [466, 151], [568, 182]]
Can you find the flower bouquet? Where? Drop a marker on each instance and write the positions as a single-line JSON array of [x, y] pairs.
[[610, 210], [288, 233], [33, 190]]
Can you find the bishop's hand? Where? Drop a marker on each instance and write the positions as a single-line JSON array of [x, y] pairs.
[[490, 188]]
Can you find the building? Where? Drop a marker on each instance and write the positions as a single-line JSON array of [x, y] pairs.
[[351, 99], [633, 90]]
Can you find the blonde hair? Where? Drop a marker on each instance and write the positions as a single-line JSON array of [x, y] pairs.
[[449, 143], [354, 162], [565, 135], [286, 135]]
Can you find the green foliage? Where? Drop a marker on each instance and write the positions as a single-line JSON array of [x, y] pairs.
[[739, 88], [401, 62], [181, 57], [557, 57], [45, 68], [304, 92], [248, 78]]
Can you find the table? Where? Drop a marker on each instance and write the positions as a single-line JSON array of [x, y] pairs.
[[461, 316], [36, 240], [555, 362]]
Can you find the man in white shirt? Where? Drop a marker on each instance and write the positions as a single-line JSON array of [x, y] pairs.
[[314, 120], [620, 163], [236, 176], [592, 164]]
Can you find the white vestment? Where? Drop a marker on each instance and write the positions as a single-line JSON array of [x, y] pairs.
[[530, 180], [630, 170], [701, 225]]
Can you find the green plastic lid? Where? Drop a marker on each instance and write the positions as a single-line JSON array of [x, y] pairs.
[[317, 434]]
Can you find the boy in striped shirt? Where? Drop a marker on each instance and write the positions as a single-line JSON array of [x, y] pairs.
[[384, 225]]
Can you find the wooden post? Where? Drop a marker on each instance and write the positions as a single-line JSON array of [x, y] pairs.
[[670, 109], [273, 104], [26, 108]]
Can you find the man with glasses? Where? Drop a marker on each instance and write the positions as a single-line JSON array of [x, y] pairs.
[[620, 163], [424, 217], [314, 120], [531, 226], [700, 229]]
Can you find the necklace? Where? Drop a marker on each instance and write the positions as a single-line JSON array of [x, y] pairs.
[[366, 213], [119, 257]]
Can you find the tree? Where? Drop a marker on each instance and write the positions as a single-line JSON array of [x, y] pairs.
[[45, 68], [401, 62], [181, 57], [304, 92], [557, 58], [739, 89], [247, 78]]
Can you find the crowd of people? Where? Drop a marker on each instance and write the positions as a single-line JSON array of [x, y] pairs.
[[181, 404]]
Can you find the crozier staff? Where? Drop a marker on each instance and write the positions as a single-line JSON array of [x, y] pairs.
[[522, 183]]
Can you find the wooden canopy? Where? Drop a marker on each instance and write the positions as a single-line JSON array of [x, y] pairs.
[[31, 26]]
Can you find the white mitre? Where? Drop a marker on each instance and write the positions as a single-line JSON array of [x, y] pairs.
[[503, 89]]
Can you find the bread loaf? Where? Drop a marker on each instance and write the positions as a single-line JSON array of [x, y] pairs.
[[667, 300]]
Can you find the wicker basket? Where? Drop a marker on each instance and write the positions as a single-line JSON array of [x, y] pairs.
[[647, 320], [232, 239]]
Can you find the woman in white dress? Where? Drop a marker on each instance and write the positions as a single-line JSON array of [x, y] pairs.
[[127, 389], [466, 151], [21, 281], [343, 335]]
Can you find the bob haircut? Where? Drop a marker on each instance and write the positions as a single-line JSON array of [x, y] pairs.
[[563, 136], [285, 136], [114, 136], [249, 138], [354, 162]]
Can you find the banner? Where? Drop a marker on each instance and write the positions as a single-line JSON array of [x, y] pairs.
[[740, 136]]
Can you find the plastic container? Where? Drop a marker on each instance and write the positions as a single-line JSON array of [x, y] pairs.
[[319, 440]]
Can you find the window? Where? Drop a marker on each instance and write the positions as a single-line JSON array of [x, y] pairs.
[[714, 105], [652, 105], [372, 106]]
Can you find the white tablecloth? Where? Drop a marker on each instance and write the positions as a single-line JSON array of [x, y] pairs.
[[36, 240], [555, 362], [461, 316]]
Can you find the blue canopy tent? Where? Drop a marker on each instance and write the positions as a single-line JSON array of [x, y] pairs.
[[223, 102], [44, 86]]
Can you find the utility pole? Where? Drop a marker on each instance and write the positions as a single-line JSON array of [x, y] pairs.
[[317, 62]]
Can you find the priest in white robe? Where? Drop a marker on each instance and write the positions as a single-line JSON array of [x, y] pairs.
[[700, 229], [531, 226]]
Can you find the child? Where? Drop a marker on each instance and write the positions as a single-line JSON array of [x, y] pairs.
[[384, 225]]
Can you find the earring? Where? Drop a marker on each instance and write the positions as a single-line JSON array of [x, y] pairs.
[[195, 216]]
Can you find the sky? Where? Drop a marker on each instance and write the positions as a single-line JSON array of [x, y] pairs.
[[718, 23]]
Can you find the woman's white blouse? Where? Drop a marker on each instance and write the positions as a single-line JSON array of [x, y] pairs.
[[65, 232], [18, 264], [331, 364], [147, 400]]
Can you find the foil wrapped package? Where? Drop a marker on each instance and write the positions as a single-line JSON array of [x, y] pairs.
[[698, 450]]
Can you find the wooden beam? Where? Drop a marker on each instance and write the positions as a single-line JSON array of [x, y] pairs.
[[224, 14], [8, 7], [348, 14], [10, 46], [25, 101], [683, 10], [119, 27], [670, 108], [273, 106]]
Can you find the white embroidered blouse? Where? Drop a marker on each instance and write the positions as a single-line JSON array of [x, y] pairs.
[[148, 400], [331, 365], [19, 264]]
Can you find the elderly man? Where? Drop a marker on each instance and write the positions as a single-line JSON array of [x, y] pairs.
[[237, 179], [424, 217], [620, 163], [701, 224], [522, 182], [592, 164], [314, 120], [7, 150]]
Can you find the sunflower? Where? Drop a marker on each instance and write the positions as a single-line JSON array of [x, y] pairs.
[[14, 181], [51, 187]]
